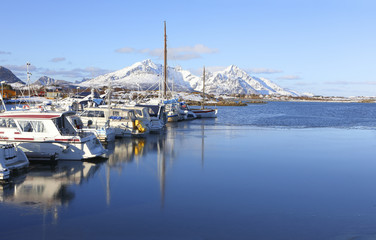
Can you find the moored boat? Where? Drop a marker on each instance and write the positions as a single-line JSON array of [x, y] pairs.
[[205, 112], [130, 121], [11, 159], [48, 135], [158, 117]]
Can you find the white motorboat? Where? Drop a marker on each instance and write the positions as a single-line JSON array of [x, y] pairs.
[[103, 133], [131, 121], [158, 117], [46, 135], [11, 159], [172, 108], [189, 113]]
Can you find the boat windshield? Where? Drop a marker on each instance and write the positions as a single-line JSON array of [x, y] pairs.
[[64, 126], [76, 122], [145, 113]]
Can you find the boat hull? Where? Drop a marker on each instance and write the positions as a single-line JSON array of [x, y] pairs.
[[11, 159], [63, 150], [205, 113], [103, 134]]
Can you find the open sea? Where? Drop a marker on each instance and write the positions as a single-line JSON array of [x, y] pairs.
[[281, 170]]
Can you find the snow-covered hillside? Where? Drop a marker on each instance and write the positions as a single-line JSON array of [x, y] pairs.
[[142, 75], [47, 81], [147, 75]]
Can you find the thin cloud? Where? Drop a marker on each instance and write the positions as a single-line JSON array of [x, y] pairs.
[[75, 73], [350, 83], [20, 68], [289, 77], [5, 53], [179, 53], [198, 48], [304, 84], [215, 68], [185, 56], [199, 71], [125, 50], [58, 59], [263, 71]]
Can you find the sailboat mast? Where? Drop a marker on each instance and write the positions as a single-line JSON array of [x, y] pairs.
[[203, 90], [28, 78], [165, 63], [109, 104]]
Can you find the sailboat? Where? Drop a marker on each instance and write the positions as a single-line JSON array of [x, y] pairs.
[[172, 105], [165, 110], [205, 112]]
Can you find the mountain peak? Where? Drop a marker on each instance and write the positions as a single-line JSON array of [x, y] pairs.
[[147, 75], [147, 62], [232, 69], [143, 65], [7, 76]]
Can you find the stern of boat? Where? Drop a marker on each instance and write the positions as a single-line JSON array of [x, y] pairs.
[[92, 148]]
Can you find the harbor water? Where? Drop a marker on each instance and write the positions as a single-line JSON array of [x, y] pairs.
[[280, 170]]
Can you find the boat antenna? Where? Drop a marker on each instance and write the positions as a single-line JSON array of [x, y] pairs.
[[28, 78], [165, 63], [109, 91]]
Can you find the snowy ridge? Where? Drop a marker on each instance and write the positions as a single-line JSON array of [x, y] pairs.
[[146, 75], [141, 75], [47, 81]]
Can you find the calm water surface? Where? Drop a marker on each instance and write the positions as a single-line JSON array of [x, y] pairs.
[[271, 171]]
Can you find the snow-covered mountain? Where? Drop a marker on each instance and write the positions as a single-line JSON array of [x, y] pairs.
[[235, 80], [47, 81], [144, 75], [147, 75], [7, 76]]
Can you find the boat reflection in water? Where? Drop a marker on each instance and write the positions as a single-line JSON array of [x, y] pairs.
[[159, 147], [47, 187]]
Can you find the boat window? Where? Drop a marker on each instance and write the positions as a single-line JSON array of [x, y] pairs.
[[38, 126], [32, 126], [7, 123], [25, 126], [99, 114], [84, 114], [139, 113], [131, 115], [125, 114], [91, 113], [115, 113], [57, 122], [67, 127], [145, 113], [76, 121]]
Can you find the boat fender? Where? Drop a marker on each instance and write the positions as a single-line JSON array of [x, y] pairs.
[[140, 126]]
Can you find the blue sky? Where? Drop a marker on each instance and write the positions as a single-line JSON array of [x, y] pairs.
[[324, 47]]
